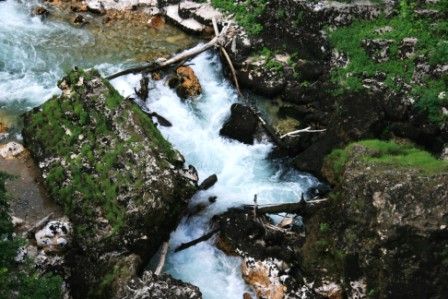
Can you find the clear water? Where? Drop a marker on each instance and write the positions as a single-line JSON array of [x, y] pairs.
[[242, 170], [34, 54]]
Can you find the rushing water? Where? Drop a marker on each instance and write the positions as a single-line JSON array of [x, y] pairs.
[[34, 55], [242, 170]]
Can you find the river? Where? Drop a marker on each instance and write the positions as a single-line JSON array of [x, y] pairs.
[[30, 67]]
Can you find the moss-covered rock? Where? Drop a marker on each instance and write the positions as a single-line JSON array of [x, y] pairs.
[[385, 224], [105, 162]]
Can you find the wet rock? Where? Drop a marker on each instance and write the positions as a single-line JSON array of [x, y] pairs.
[[187, 84], [125, 177], [40, 11], [407, 47], [80, 20], [55, 236], [208, 182], [160, 286], [241, 125], [11, 150], [143, 92], [377, 49], [264, 277], [157, 22], [82, 7]]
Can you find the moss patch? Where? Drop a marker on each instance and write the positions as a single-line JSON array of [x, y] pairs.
[[432, 43], [388, 153], [246, 12]]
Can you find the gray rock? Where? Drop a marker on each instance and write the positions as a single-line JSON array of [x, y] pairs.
[[161, 287]]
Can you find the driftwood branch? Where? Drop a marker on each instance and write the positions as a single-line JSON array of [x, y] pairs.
[[163, 253], [161, 63], [38, 225], [205, 237], [306, 130], [303, 208], [227, 57]]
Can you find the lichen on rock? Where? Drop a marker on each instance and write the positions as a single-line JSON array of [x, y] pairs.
[[120, 182]]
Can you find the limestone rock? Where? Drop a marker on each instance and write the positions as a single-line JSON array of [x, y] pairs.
[[189, 25], [11, 150], [377, 49], [398, 212], [55, 236], [263, 276], [40, 11], [160, 286], [189, 85], [407, 47]]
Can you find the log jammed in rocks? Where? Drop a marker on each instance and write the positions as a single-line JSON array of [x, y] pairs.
[[302, 208], [159, 64]]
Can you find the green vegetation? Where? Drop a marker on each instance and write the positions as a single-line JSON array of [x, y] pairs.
[[92, 177], [246, 13], [20, 281], [432, 43], [388, 153]]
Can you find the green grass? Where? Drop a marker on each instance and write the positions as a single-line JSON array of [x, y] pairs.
[[246, 13], [20, 281], [432, 42], [388, 153]]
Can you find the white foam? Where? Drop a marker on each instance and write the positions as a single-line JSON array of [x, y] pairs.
[[242, 170]]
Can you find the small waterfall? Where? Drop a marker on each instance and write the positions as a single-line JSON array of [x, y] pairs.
[[242, 170]]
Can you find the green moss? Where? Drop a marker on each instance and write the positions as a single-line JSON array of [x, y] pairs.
[[432, 43], [246, 12], [390, 154], [64, 123]]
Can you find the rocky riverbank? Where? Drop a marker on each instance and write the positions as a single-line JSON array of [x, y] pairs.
[[382, 232]]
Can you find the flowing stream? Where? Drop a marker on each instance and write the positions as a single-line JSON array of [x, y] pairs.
[[242, 170], [35, 54]]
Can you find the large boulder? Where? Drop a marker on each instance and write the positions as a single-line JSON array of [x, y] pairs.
[[385, 225], [241, 125], [161, 286], [119, 181]]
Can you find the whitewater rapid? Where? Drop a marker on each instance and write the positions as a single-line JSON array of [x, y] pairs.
[[242, 170], [35, 54]]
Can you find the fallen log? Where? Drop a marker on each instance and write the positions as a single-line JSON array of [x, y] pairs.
[[161, 64], [163, 254], [205, 237], [302, 208], [297, 132]]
